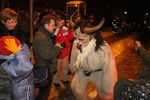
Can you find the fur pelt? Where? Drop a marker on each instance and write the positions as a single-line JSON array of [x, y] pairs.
[[91, 60]]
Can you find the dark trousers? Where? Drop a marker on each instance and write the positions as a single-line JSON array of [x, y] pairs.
[[118, 89], [44, 92]]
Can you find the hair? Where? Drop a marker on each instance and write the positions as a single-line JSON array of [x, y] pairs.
[[7, 14], [96, 34], [47, 19], [99, 40]]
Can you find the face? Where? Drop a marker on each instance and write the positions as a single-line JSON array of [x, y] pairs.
[[11, 23], [51, 26], [84, 39], [61, 23], [78, 18]]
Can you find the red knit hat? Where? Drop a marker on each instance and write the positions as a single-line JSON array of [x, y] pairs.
[[3, 50]]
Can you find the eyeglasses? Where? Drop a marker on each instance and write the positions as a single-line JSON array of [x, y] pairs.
[[12, 21]]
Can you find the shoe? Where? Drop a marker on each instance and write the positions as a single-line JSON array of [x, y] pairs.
[[56, 85], [66, 83]]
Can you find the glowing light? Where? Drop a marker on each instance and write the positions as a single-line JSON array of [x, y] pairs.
[[125, 12], [146, 14]]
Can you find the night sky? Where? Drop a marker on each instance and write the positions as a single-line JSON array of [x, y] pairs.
[[96, 6], [108, 8]]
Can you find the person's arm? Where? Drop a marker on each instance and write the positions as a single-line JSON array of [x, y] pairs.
[[145, 54], [137, 44], [70, 34]]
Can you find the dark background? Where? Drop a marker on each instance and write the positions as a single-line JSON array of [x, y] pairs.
[[108, 8], [98, 6]]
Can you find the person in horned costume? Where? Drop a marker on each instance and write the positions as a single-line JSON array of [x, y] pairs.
[[92, 61]]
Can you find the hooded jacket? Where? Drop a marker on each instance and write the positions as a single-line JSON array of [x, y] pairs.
[[19, 68]]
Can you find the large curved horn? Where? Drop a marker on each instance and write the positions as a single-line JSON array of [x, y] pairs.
[[92, 29], [72, 24]]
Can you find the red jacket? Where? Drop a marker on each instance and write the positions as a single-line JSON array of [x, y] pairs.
[[60, 37]]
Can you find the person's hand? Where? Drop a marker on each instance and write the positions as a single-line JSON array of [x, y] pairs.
[[137, 44], [59, 45], [65, 28], [11, 45]]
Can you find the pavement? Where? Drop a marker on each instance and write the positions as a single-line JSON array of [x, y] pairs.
[[127, 61]]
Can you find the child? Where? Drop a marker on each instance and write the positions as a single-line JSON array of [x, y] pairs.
[[18, 66]]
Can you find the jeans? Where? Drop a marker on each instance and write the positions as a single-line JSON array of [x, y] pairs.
[[44, 92]]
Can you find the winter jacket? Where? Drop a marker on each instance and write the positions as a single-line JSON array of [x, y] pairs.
[[64, 36], [44, 51], [19, 68], [17, 32], [132, 90], [6, 90]]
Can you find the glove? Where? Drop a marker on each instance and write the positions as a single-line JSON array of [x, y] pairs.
[[11, 45], [63, 44]]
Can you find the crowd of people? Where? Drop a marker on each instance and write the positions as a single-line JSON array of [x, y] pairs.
[[75, 45]]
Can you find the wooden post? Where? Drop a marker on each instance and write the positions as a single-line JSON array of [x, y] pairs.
[[78, 9], [67, 8], [31, 20], [84, 10]]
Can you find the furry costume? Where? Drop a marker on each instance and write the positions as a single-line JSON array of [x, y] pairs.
[[100, 63]]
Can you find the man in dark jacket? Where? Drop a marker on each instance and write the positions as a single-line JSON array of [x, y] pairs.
[[45, 54]]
